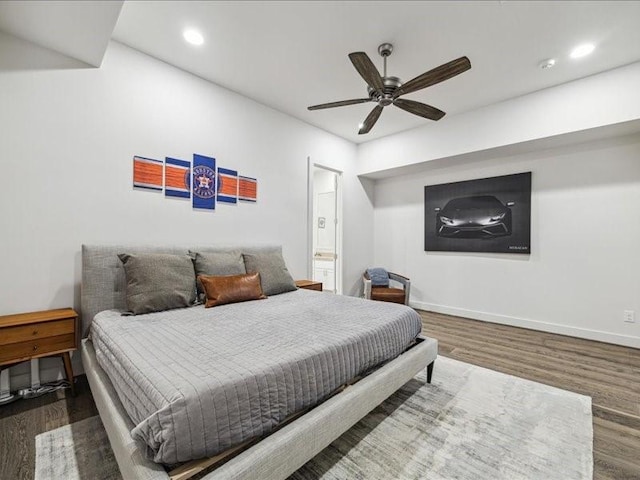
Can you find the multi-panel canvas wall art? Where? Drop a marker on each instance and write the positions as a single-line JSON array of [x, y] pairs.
[[177, 178], [485, 215], [248, 189], [147, 173], [201, 181], [227, 185], [204, 182]]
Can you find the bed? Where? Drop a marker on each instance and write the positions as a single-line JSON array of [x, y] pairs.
[[152, 375]]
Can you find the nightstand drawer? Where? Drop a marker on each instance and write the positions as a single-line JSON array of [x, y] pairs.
[[16, 352], [36, 331]]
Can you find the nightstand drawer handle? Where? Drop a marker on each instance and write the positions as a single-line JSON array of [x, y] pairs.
[[35, 332], [35, 347]]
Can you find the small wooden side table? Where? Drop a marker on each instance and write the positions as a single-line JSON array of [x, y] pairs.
[[309, 285], [39, 334]]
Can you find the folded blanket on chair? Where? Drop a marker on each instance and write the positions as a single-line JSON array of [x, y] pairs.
[[379, 277]]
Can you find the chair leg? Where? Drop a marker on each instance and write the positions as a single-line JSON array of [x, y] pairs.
[[430, 371]]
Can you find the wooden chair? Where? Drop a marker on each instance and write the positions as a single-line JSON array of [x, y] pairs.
[[388, 294]]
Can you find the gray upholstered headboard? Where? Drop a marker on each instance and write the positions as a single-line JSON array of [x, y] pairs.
[[103, 280]]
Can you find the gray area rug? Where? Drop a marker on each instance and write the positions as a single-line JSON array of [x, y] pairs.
[[77, 451], [470, 423]]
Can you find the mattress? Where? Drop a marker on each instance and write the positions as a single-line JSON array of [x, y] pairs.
[[198, 381]]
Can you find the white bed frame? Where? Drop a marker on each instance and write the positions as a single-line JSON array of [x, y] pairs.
[[281, 453]]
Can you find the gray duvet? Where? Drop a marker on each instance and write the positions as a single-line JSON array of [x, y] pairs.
[[198, 381]]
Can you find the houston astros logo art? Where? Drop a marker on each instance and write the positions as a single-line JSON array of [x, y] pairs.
[[203, 182]]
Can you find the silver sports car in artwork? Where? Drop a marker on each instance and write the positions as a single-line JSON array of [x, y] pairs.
[[482, 216]]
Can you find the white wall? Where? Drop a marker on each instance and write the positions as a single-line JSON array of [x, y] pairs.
[[608, 98], [579, 278], [584, 268], [67, 138]]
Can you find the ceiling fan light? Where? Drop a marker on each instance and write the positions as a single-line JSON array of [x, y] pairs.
[[193, 37], [582, 50]]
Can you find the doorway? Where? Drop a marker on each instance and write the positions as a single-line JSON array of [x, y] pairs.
[[325, 227]]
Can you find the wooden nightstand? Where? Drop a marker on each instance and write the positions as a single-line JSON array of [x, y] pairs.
[[39, 334], [309, 285]]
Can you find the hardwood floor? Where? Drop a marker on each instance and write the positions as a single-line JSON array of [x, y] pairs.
[[608, 373], [22, 420]]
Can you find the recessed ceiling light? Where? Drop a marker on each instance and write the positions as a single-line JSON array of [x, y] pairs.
[[193, 37], [582, 50], [360, 125]]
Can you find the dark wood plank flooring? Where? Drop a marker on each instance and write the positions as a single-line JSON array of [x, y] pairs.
[[610, 374], [22, 420]]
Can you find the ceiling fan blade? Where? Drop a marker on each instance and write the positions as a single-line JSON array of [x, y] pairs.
[[371, 120], [437, 75], [367, 70], [420, 109], [342, 103]]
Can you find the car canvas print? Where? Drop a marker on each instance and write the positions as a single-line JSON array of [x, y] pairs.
[[485, 215]]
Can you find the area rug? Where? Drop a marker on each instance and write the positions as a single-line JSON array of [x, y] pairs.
[[470, 423], [77, 451]]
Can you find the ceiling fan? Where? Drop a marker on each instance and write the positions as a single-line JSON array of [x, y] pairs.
[[386, 90]]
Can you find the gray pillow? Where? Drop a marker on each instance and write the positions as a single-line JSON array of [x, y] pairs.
[[274, 276], [158, 281], [218, 264]]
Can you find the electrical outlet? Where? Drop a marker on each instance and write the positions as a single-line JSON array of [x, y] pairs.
[[630, 316]]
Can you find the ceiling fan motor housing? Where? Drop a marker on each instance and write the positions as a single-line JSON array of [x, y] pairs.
[[385, 49], [391, 84]]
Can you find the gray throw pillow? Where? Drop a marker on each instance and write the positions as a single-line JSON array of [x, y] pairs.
[[218, 264], [274, 276], [158, 281]]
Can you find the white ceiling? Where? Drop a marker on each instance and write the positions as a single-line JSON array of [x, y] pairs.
[[80, 29], [289, 55]]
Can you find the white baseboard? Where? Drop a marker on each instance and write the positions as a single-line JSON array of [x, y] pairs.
[[48, 374], [600, 336], [23, 380]]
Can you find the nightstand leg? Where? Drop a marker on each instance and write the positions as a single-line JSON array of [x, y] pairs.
[[69, 370]]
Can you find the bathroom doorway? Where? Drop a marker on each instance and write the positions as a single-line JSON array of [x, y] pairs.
[[325, 227]]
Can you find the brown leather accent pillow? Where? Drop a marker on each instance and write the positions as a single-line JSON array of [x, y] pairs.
[[231, 288]]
